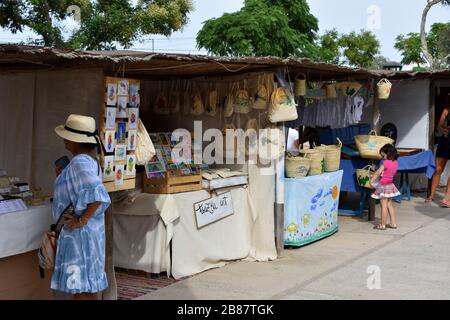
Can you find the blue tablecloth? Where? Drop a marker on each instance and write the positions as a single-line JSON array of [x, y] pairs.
[[423, 162], [311, 208], [419, 163]]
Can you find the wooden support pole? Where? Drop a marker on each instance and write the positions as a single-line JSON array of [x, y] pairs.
[[111, 292]]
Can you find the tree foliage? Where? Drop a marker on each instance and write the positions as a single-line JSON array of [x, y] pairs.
[[262, 28], [435, 63], [355, 49], [438, 45], [103, 23]]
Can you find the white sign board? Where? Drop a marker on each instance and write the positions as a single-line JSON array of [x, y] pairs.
[[213, 209]]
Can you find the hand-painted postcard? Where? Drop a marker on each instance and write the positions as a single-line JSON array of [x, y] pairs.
[[131, 165], [133, 115], [111, 94], [122, 107], [154, 167], [118, 179], [111, 118], [124, 88], [121, 132], [108, 167], [132, 139], [155, 139], [163, 138], [134, 96], [109, 141], [120, 153]]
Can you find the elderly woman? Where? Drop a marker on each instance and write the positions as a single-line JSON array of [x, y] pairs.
[[80, 257]]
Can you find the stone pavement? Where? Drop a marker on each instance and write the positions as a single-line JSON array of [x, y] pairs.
[[413, 263]]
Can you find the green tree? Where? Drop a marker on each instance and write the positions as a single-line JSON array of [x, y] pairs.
[[329, 50], [262, 28], [360, 50], [103, 23], [438, 46], [410, 48], [423, 35]]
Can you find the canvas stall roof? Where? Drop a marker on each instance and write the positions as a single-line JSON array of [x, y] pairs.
[[137, 63]]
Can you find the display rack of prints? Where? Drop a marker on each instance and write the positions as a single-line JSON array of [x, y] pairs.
[[118, 133]]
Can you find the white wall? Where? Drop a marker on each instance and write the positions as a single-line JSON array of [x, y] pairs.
[[408, 109]]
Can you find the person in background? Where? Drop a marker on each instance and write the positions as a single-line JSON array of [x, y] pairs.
[[385, 190], [80, 254], [60, 164], [442, 153]]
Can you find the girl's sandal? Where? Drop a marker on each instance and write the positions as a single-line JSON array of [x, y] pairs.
[[391, 226], [379, 227], [445, 203]]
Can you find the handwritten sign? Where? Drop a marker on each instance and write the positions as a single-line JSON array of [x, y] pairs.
[[213, 209]]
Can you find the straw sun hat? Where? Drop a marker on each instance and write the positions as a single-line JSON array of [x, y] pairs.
[[79, 129]]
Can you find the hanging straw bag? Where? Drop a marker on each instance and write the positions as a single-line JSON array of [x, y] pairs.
[[212, 101], [297, 167], [175, 98], [384, 88], [300, 85], [332, 156], [283, 107], [242, 101], [262, 96], [331, 90], [349, 88], [369, 145], [229, 103], [197, 107], [364, 175]]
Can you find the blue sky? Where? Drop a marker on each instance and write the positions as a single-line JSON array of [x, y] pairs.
[[395, 17]]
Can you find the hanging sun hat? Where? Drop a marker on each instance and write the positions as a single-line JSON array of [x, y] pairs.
[[80, 129]]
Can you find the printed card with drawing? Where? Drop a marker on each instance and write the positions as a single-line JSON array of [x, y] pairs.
[[134, 96], [124, 88], [109, 141], [121, 132], [118, 175], [155, 139], [163, 138], [132, 139], [133, 115], [131, 165], [111, 95], [120, 152], [108, 167], [122, 107], [111, 118]]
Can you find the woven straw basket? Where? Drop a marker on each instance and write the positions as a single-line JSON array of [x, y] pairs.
[[332, 156], [297, 167], [363, 176], [369, 145], [317, 158], [384, 89]]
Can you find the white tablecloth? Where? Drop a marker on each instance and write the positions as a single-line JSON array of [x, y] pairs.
[[140, 242], [22, 231]]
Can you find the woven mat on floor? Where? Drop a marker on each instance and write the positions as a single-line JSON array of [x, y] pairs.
[[132, 283]]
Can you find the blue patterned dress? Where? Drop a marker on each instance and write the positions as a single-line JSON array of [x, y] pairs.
[[80, 256]]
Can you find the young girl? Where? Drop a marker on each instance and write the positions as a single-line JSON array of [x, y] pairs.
[[385, 189]]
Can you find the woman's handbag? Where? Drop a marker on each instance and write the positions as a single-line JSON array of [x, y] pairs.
[[47, 248]]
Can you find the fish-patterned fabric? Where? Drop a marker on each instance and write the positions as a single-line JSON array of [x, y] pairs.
[[80, 255]]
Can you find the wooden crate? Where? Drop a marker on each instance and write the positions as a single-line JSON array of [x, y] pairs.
[[173, 183]]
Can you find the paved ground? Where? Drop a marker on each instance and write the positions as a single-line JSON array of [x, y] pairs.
[[414, 263]]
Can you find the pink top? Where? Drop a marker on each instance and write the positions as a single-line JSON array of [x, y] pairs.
[[390, 169]]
